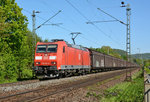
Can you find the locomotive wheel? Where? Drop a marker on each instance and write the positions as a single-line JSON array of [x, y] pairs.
[[60, 75]]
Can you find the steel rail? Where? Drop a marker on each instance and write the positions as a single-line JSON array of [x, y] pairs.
[[82, 84]]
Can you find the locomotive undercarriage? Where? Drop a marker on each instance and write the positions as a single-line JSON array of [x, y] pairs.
[[46, 71], [52, 71]]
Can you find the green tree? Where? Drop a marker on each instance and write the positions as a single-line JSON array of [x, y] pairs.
[[46, 40], [15, 43]]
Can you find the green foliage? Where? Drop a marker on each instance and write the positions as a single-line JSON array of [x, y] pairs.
[[126, 92], [8, 67], [121, 52], [147, 70], [147, 63], [143, 55], [46, 40], [16, 43], [98, 96]]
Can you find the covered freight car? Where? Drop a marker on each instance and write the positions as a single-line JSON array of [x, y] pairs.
[[101, 61], [97, 60]]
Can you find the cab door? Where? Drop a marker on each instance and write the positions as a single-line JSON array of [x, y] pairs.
[[64, 56]]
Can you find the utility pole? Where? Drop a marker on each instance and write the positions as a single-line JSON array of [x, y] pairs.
[[73, 37], [128, 41], [33, 26]]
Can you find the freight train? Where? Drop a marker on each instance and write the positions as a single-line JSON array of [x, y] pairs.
[[59, 58]]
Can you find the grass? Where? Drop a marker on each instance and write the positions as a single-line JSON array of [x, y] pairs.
[[123, 92], [147, 70], [126, 91], [8, 81], [93, 87]]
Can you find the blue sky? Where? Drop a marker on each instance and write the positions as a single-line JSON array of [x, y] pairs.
[[111, 34]]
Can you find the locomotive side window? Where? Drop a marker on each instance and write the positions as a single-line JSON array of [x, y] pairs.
[[52, 48], [64, 49], [41, 48]]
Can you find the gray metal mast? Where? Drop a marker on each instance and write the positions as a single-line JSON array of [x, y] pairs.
[[128, 41], [33, 26]]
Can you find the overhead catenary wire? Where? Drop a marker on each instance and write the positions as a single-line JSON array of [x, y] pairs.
[[93, 5], [68, 30], [91, 41], [44, 3], [101, 21], [48, 19], [80, 14], [92, 23], [77, 10], [111, 16]]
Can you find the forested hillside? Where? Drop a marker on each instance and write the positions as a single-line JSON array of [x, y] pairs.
[[113, 52], [16, 43], [143, 56], [135, 56], [121, 52]]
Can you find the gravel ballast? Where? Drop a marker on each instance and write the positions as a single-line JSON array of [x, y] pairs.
[[50, 82]]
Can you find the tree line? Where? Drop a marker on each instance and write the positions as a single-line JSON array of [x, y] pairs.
[[16, 43]]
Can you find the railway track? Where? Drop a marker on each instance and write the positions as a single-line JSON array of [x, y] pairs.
[[44, 92]]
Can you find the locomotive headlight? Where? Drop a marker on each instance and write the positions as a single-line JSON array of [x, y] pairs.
[[37, 62], [52, 57], [38, 57], [53, 62]]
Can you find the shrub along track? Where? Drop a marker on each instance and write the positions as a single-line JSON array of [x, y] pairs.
[[19, 83], [44, 92]]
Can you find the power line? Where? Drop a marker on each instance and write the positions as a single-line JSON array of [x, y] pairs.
[[68, 30], [46, 5], [100, 21], [111, 16], [77, 10], [64, 28], [94, 42], [48, 19], [92, 24], [93, 5]]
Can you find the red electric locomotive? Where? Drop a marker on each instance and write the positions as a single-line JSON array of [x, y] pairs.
[[59, 58]]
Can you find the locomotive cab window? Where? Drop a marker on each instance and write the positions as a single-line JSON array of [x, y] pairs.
[[41, 48], [64, 49], [52, 48]]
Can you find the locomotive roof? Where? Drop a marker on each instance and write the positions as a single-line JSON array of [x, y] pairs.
[[69, 45], [76, 46]]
